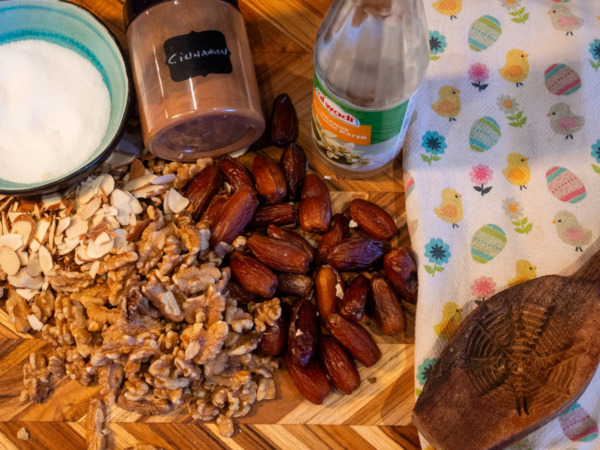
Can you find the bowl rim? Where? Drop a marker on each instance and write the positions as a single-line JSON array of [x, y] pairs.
[[71, 178]]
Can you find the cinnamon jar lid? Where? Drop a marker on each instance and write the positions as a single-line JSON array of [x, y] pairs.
[[133, 8]]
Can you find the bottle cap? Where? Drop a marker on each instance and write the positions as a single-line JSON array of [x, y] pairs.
[[133, 8]]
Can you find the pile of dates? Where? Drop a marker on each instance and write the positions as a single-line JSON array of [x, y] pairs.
[[320, 342]]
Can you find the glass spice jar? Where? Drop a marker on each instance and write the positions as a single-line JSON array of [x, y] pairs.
[[195, 81]]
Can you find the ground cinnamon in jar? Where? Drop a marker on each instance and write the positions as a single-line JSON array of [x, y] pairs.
[[194, 76]]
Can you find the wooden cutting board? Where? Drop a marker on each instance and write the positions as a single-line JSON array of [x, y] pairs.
[[377, 416]]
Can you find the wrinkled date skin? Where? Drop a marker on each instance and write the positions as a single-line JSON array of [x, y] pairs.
[[279, 214], [385, 306], [354, 338], [373, 220], [355, 254], [340, 230], [315, 205], [294, 284], [279, 255], [234, 217], [241, 295], [269, 179], [338, 366], [274, 337], [310, 380], [352, 306], [236, 175], [304, 332], [284, 121], [293, 164], [293, 238], [401, 271], [203, 187], [214, 209], [326, 283], [253, 275]]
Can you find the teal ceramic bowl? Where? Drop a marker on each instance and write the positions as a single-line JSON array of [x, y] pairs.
[[75, 28]]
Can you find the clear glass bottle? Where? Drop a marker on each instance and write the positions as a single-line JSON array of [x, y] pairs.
[[370, 59]]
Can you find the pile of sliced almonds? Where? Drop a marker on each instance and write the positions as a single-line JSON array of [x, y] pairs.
[[91, 219]]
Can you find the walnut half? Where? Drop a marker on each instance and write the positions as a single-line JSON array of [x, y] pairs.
[[36, 378]]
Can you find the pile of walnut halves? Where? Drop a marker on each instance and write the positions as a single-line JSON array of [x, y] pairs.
[[122, 281]]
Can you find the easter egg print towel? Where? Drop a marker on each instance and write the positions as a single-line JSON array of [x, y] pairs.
[[502, 169]]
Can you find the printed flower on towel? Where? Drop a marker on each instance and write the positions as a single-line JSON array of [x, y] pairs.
[[595, 51], [514, 211], [435, 144], [483, 288], [509, 106], [479, 73], [437, 45], [438, 253], [596, 155], [514, 9], [481, 175], [424, 370]]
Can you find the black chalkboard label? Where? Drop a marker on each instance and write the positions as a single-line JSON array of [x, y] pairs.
[[197, 54]]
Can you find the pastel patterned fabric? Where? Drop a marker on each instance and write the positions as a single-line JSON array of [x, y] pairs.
[[502, 168]]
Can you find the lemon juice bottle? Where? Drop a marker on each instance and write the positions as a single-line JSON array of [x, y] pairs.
[[370, 58]]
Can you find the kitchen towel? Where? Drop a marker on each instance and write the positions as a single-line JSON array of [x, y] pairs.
[[502, 168]]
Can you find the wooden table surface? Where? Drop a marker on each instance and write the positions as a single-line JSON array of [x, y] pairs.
[[377, 416]]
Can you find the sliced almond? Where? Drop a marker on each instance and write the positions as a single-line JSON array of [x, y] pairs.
[[69, 245], [164, 179], [27, 294], [23, 257], [70, 204], [34, 322], [90, 209], [139, 183], [51, 232], [41, 228], [81, 255], [113, 222], [107, 185], [32, 282], [24, 225], [150, 191], [97, 219], [86, 194], [100, 229], [136, 170], [121, 238], [4, 224], [13, 215], [96, 184], [15, 280], [9, 261], [135, 204], [96, 251], [125, 146], [37, 213], [102, 239], [45, 260], [94, 269], [50, 200], [76, 228], [177, 202], [12, 241], [63, 224], [59, 239], [34, 267], [118, 159], [166, 208]]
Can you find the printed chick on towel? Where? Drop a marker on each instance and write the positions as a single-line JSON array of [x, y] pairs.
[[517, 172], [569, 230], [516, 68], [451, 209], [563, 121], [564, 20], [525, 272], [448, 105], [448, 7], [451, 319]]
